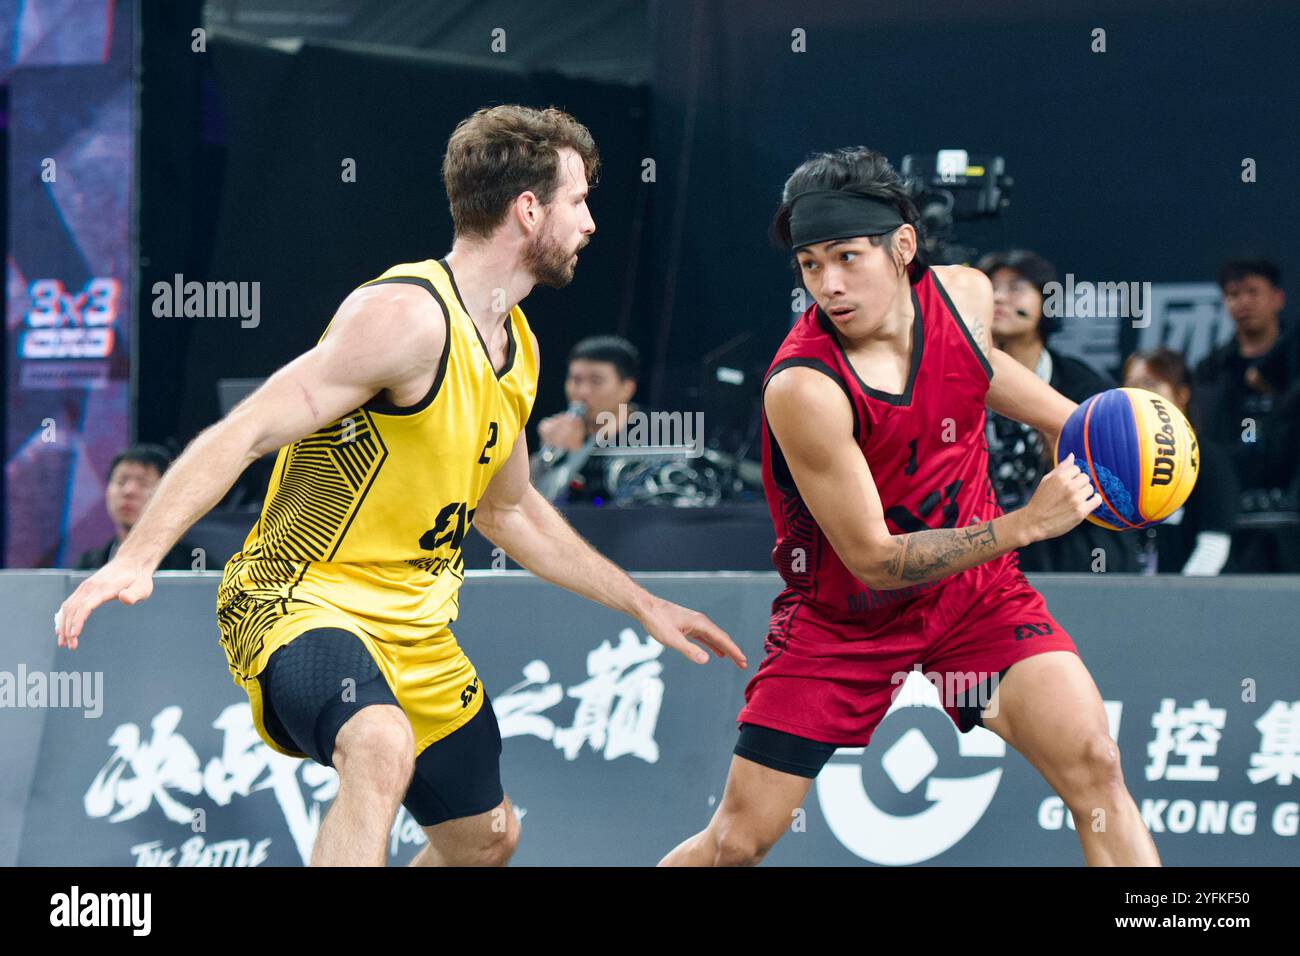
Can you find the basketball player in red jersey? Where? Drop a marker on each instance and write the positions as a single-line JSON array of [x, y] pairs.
[[889, 536]]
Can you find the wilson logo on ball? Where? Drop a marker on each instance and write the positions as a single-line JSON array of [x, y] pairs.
[[1139, 451], [1162, 473]]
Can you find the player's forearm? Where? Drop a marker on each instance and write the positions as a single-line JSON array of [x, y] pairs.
[[922, 556], [536, 536], [1017, 393], [195, 482]]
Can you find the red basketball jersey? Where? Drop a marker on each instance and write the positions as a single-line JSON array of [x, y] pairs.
[[926, 450]]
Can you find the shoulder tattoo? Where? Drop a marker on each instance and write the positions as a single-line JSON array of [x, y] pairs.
[[980, 332]]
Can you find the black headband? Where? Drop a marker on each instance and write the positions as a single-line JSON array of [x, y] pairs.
[[820, 215]]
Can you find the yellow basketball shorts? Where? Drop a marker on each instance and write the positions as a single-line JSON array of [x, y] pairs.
[[433, 681], [317, 667]]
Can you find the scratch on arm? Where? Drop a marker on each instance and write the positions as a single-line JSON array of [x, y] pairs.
[[311, 405]]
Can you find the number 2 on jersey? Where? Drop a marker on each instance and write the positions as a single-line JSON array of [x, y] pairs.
[[483, 459]]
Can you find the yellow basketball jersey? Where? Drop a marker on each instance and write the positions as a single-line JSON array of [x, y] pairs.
[[366, 515]]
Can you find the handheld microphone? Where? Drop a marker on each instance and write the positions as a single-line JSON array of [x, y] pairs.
[[577, 410]]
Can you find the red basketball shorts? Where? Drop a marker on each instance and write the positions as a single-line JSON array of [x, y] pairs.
[[833, 681]]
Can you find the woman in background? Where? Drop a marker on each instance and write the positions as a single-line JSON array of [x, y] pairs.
[[1018, 457]]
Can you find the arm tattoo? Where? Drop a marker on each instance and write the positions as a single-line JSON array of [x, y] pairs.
[[981, 337], [929, 555]]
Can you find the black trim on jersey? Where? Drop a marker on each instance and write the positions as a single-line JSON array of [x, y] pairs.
[[918, 346], [961, 323], [780, 470], [381, 407], [820, 366], [510, 328]]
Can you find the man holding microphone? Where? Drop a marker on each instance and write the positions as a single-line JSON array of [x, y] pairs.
[[601, 381]]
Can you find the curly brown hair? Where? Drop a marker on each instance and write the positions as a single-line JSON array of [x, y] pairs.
[[502, 151]]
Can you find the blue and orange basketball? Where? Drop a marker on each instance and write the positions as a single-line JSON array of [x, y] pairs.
[[1140, 452]]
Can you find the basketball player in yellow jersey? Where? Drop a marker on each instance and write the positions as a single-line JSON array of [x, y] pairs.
[[401, 427]]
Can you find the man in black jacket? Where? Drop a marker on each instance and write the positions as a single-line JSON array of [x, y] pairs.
[[1246, 397], [132, 477], [1244, 379], [1017, 457], [602, 379]]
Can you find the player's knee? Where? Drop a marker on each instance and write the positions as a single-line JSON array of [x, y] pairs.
[[493, 846], [1095, 769], [376, 747], [503, 844], [738, 845]]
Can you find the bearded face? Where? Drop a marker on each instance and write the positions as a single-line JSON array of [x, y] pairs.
[[549, 262]]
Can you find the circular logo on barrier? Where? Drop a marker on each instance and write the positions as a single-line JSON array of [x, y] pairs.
[[927, 793]]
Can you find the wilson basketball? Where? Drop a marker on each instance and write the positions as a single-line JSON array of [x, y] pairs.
[[1140, 452]]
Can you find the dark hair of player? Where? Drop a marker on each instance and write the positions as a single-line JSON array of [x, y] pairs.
[[856, 169]]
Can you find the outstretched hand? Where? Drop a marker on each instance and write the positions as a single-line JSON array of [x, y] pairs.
[[116, 581], [671, 624]]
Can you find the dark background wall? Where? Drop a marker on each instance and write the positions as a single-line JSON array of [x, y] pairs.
[[242, 181], [1127, 163]]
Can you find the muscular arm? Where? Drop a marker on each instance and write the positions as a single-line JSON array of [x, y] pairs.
[[513, 515], [835, 482], [382, 337], [1015, 391], [372, 345], [1019, 394]]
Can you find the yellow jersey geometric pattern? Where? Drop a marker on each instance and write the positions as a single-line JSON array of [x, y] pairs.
[[363, 522]]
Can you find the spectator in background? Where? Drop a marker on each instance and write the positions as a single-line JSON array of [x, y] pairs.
[[1196, 539], [602, 379], [133, 476], [1238, 385], [1018, 456]]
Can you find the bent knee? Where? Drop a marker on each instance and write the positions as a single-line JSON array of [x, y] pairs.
[[735, 844], [493, 846], [502, 846], [376, 744], [1093, 769]]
